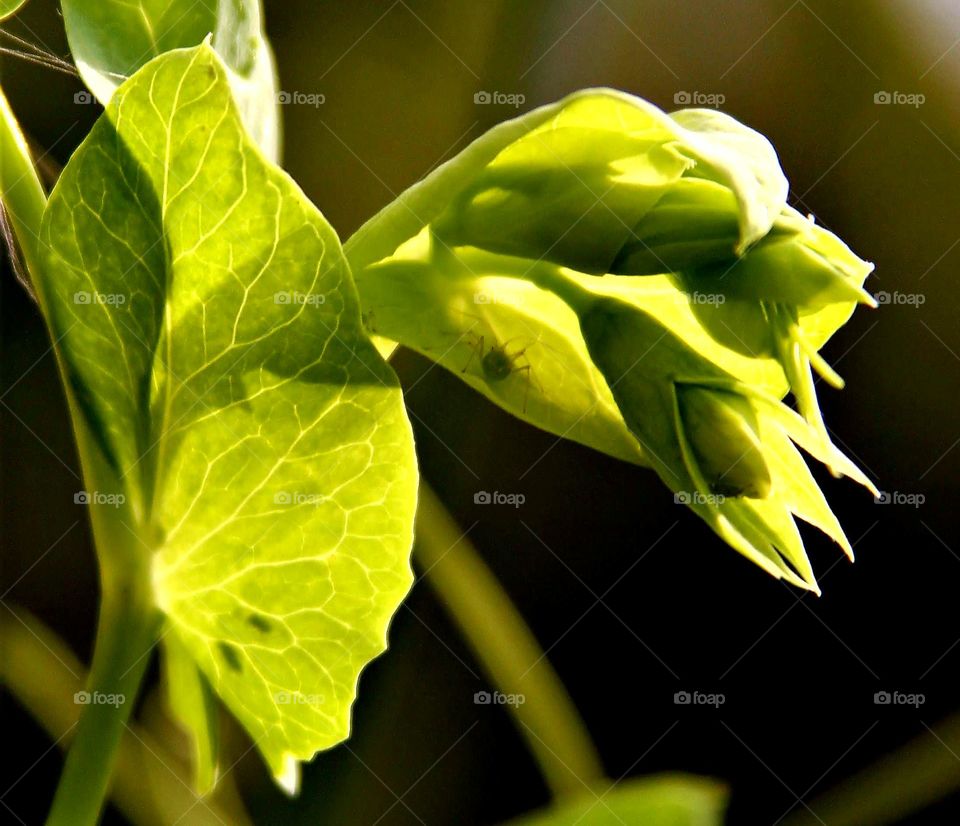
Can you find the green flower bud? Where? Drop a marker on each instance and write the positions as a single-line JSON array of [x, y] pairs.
[[796, 263], [694, 224], [721, 428], [725, 449], [579, 190], [569, 196], [504, 242]]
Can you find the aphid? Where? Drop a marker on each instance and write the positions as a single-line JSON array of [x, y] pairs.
[[498, 364]]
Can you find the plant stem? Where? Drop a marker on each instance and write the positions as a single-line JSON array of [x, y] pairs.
[[913, 777], [125, 634], [507, 650], [151, 785], [20, 188]]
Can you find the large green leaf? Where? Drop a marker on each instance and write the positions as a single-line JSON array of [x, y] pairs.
[[211, 334], [660, 800], [111, 39]]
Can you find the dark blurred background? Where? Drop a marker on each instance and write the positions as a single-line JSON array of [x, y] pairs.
[[799, 673]]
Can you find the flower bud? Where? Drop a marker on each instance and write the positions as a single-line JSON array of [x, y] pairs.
[[577, 191], [724, 447], [721, 429], [796, 263], [570, 196]]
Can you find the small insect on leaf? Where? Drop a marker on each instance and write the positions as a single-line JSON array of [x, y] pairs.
[[498, 363]]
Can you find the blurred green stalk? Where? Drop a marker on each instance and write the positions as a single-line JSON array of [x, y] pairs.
[[915, 776], [507, 650]]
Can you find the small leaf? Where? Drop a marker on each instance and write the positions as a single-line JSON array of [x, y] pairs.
[[194, 706], [211, 333], [659, 800], [111, 39]]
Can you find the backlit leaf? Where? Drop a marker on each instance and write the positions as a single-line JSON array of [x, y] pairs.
[[111, 39], [211, 332]]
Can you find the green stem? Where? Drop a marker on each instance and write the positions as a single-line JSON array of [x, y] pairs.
[[151, 785], [507, 650], [915, 776], [128, 620], [125, 634], [20, 188]]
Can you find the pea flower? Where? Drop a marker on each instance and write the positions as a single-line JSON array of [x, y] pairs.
[[651, 293], [695, 194]]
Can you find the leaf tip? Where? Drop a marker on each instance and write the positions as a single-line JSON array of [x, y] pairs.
[[288, 778]]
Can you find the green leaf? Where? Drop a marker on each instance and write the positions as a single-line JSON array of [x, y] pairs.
[[111, 39], [211, 333], [660, 800], [8, 8], [194, 707]]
